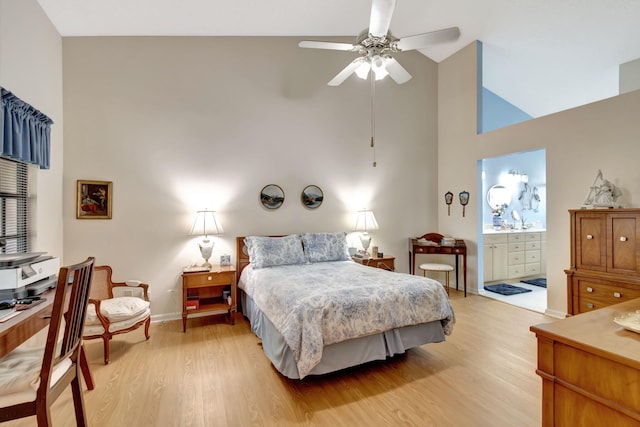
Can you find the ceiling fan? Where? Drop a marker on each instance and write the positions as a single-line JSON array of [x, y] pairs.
[[376, 44]]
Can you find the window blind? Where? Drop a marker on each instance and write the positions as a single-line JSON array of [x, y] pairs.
[[14, 206]]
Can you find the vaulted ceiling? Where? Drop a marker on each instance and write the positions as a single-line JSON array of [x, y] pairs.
[[543, 56]]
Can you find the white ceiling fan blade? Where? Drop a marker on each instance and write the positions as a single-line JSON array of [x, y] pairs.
[[381, 13], [346, 72], [396, 71], [423, 40], [329, 45]]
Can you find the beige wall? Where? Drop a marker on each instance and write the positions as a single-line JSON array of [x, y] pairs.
[[180, 124], [629, 76], [31, 68], [603, 135]]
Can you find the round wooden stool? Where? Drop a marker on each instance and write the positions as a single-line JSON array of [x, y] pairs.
[[438, 267]]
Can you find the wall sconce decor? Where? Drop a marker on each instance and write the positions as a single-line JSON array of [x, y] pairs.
[[464, 200], [206, 224], [448, 199]]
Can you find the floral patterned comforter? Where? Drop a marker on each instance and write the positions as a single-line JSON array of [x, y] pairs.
[[313, 305]]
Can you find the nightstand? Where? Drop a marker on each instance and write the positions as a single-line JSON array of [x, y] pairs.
[[385, 263], [211, 292]]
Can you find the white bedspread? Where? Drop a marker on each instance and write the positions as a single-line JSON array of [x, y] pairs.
[[318, 304]]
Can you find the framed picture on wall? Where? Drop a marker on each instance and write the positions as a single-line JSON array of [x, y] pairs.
[[94, 199], [272, 196], [311, 196]]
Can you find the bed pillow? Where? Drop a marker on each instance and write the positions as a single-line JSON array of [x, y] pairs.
[[271, 251], [322, 247]]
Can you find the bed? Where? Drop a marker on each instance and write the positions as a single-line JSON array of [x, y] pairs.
[[316, 311]]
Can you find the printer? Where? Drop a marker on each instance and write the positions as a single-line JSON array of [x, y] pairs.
[[27, 274]]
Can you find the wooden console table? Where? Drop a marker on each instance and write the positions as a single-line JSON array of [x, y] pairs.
[[590, 369], [459, 249]]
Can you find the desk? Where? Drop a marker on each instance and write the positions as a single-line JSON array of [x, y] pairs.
[[20, 328], [459, 249]]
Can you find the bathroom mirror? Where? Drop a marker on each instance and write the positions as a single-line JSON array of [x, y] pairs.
[[497, 196]]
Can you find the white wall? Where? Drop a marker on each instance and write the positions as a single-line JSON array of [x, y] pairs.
[[31, 68], [183, 123], [603, 135]]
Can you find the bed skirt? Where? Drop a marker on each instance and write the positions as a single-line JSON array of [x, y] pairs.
[[343, 354]]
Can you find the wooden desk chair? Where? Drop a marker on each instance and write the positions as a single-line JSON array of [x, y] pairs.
[[31, 390], [115, 308]]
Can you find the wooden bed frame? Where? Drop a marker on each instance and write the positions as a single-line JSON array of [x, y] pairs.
[[242, 257]]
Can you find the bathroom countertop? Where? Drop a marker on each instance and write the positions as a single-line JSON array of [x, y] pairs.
[[516, 230]]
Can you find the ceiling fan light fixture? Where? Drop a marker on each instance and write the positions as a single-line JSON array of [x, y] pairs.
[[378, 66], [363, 70]]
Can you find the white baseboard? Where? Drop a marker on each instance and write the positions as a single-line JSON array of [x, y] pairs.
[[555, 313], [158, 318]]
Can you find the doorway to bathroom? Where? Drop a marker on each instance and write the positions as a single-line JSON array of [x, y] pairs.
[[512, 229]]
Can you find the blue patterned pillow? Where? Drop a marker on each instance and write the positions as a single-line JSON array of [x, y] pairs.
[[321, 247], [270, 251]]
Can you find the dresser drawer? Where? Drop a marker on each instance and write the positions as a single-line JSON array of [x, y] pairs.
[[589, 304], [196, 280], [532, 269], [532, 246], [532, 237], [517, 270], [516, 258], [609, 295], [492, 239], [516, 237], [516, 247], [532, 256]]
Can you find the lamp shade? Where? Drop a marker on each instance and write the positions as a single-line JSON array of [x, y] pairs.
[[206, 224], [366, 221]]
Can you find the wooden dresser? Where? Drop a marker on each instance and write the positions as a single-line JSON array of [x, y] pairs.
[[590, 369], [605, 258]]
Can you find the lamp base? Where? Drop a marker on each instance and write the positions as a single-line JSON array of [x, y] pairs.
[[206, 248], [365, 240]]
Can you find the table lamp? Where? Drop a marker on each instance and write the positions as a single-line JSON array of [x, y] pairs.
[[206, 225], [365, 221]]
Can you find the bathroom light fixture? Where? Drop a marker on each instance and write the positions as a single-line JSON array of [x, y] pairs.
[[522, 177], [206, 224]]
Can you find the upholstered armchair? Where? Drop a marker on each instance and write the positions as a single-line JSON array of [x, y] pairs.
[[115, 308]]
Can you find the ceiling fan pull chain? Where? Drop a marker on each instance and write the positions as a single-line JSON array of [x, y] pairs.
[[373, 114]]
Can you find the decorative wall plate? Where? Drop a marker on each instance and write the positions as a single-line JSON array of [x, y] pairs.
[[312, 196], [272, 196]]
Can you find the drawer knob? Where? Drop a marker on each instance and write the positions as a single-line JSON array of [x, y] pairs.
[[623, 239], [589, 289], [589, 305], [589, 237], [617, 295], [209, 277]]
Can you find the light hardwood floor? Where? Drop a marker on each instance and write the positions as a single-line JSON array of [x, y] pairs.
[[216, 374]]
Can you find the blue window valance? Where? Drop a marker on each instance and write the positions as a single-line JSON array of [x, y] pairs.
[[25, 133]]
